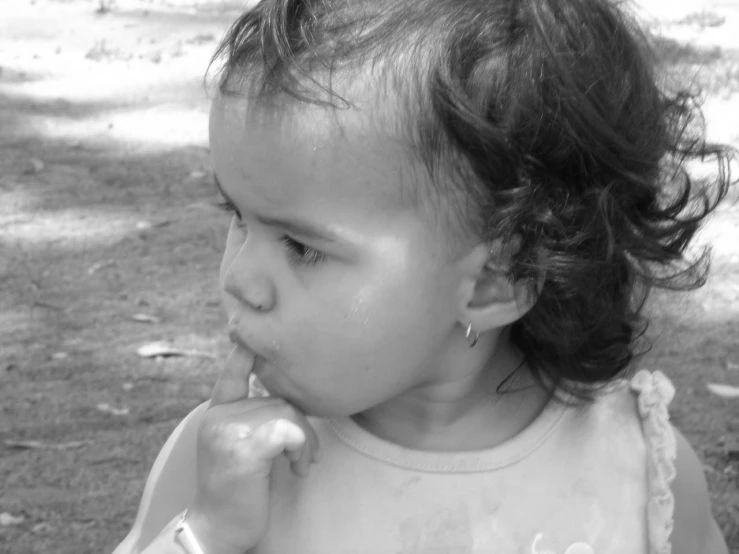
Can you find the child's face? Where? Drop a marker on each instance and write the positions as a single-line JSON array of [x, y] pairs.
[[343, 322]]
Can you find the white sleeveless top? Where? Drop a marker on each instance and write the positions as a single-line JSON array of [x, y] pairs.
[[579, 480]]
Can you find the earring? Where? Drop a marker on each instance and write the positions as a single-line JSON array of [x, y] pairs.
[[471, 340]]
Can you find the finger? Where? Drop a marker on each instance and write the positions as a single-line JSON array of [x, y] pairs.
[[313, 454], [302, 459], [293, 455], [277, 436], [233, 382], [302, 466], [313, 444], [258, 412]]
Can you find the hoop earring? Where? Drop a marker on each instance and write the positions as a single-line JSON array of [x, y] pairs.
[[471, 340]]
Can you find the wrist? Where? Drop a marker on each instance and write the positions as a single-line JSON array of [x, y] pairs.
[[212, 538]]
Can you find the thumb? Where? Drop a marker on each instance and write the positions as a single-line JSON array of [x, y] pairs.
[[233, 382]]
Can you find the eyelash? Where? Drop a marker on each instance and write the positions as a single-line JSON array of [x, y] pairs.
[[300, 253], [304, 255]]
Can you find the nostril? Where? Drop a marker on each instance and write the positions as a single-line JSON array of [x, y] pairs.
[[253, 290]]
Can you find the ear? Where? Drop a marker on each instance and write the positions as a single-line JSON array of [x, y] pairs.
[[487, 298]]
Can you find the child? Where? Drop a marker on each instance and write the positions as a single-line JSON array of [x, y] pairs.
[[447, 217]]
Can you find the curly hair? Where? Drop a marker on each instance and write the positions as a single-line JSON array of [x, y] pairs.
[[544, 123]]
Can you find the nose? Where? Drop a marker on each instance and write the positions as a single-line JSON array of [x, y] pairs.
[[249, 283]]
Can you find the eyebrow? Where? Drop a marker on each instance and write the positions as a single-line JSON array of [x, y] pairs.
[[302, 228]]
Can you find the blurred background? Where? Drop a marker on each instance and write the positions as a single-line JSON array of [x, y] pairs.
[[111, 329]]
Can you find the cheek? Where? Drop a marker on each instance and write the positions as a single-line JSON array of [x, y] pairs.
[[363, 349], [372, 318], [400, 297], [229, 253]]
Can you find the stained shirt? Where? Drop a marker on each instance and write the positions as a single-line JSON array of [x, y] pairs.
[[592, 479]]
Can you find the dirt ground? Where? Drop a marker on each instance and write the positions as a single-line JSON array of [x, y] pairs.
[[106, 214]]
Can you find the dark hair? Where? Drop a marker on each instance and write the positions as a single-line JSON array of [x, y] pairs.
[[547, 116]]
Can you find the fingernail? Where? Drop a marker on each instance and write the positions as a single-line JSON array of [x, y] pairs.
[[287, 431]]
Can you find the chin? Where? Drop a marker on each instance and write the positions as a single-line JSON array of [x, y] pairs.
[[310, 405], [313, 407]]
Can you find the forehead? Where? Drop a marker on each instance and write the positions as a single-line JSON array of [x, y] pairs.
[[310, 152]]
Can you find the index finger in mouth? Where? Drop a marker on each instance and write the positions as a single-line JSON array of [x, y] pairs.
[[233, 382]]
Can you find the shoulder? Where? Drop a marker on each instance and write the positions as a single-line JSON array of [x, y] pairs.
[[168, 489], [680, 509], [695, 529]]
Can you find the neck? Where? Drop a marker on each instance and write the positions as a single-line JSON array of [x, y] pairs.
[[462, 411]]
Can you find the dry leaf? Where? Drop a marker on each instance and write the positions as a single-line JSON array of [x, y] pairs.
[[200, 205], [82, 525], [146, 225], [162, 349], [41, 445], [108, 409], [9, 519], [154, 349], [41, 527], [101, 265], [724, 391], [145, 318]]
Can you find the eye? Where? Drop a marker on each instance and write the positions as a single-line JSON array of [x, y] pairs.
[[229, 207], [302, 254]]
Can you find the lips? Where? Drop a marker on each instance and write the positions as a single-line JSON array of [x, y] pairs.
[[260, 362], [235, 338]]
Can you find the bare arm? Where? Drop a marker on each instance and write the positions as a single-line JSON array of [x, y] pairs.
[[695, 531]]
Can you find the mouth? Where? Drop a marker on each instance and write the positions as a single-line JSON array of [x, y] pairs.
[[236, 339], [260, 362]]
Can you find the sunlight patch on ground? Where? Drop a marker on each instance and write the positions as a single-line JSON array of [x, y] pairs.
[[724, 119], [161, 126], [118, 85], [723, 235], [71, 227], [110, 81], [107, 107], [718, 300], [705, 26], [668, 12]]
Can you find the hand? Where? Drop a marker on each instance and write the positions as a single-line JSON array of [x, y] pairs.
[[238, 439]]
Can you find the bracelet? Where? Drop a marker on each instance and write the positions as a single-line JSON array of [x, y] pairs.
[[184, 536]]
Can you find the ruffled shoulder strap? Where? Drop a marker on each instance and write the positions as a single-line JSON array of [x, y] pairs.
[[655, 391]]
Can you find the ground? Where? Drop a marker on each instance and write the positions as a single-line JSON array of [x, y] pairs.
[[107, 214]]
